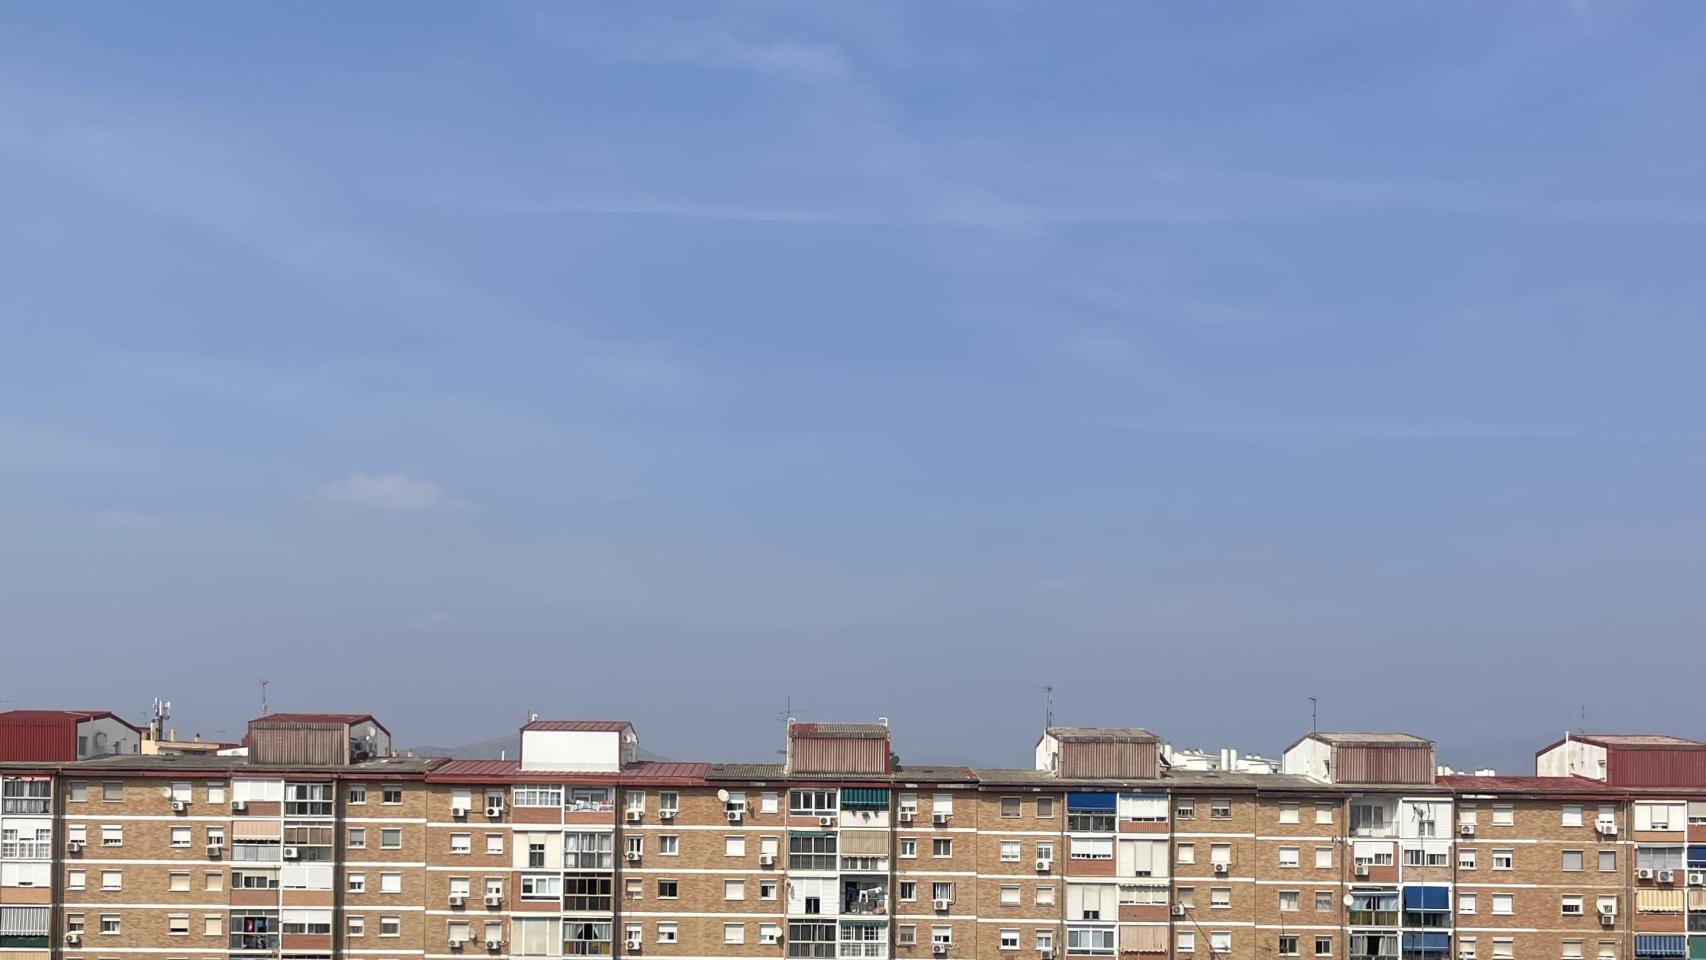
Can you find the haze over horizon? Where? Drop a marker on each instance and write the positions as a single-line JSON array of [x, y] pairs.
[[611, 361]]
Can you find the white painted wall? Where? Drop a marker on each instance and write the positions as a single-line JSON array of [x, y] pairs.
[[1048, 753], [1572, 758], [1414, 812], [1310, 758], [103, 737], [588, 751], [1661, 815], [381, 739]]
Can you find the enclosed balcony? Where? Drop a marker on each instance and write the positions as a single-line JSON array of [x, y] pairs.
[[1374, 909], [863, 939], [1374, 818], [867, 895], [865, 807], [1373, 946]]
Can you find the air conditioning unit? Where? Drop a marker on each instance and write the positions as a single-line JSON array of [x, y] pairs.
[[632, 856], [458, 900], [1044, 864], [1697, 878], [1606, 825], [73, 846], [494, 899], [1608, 910], [943, 903], [494, 810], [633, 816], [735, 816], [214, 850], [1465, 955], [179, 806], [767, 859], [633, 945], [238, 806], [666, 814], [1360, 870], [826, 821], [1643, 874], [1047, 955], [1667, 876], [291, 853], [1608, 917], [455, 944], [940, 816], [905, 816], [1221, 866], [939, 949], [494, 944], [74, 939], [459, 812], [1466, 829], [1178, 910]]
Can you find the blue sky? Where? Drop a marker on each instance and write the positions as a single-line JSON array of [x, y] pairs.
[[673, 361]]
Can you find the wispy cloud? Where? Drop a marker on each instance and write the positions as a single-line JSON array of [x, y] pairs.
[[392, 492]]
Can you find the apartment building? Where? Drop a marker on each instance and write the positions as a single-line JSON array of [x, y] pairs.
[[319, 842]]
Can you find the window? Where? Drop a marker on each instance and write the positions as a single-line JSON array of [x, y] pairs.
[[1187, 852], [734, 933], [1323, 946], [1287, 946], [1608, 861], [908, 847], [1009, 939], [1504, 948], [112, 835], [1045, 895], [79, 791], [1045, 850], [1323, 813], [178, 881], [1572, 950], [1323, 858], [391, 796], [909, 890], [942, 890], [461, 843], [1012, 807], [1011, 851], [1289, 900], [812, 803], [1572, 813], [181, 836], [1572, 860], [811, 851], [1465, 858], [112, 792], [1091, 848], [1045, 940], [1608, 950], [1288, 813], [942, 935], [669, 845], [634, 845], [734, 889], [669, 802], [390, 838], [541, 886], [390, 926], [766, 889], [357, 838], [357, 794], [1220, 898], [1570, 905], [1466, 903], [1220, 809], [1185, 808], [112, 879], [1009, 894], [1504, 815], [734, 846], [1503, 904], [1187, 897], [494, 844], [1288, 856], [667, 889], [1220, 941], [1220, 853], [906, 934], [75, 880], [1186, 942], [1323, 901], [212, 925], [941, 847], [110, 924], [668, 932], [537, 795], [178, 924], [390, 883], [1045, 808], [1504, 859], [216, 836], [1095, 941]]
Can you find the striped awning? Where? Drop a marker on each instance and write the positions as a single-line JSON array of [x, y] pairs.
[[1661, 945], [864, 796]]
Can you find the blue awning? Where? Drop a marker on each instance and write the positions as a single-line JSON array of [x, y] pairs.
[[1427, 941], [1697, 856], [1090, 801], [1427, 898], [864, 796], [1661, 945]]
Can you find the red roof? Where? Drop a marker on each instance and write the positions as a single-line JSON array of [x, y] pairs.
[[60, 716], [579, 726], [35, 735], [650, 771]]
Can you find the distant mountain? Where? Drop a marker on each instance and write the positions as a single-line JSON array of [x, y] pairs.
[[508, 746]]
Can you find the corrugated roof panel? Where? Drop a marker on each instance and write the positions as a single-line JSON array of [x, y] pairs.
[[579, 726]]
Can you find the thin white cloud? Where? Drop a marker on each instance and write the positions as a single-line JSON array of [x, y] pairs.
[[393, 492]]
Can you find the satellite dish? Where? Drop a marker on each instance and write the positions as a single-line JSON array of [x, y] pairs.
[[1349, 900], [723, 795], [166, 792]]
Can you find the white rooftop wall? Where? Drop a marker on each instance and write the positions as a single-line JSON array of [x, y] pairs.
[[574, 750]]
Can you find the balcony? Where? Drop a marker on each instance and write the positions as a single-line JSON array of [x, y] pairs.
[[26, 806], [27, 850], [255, 942], [867, 897]]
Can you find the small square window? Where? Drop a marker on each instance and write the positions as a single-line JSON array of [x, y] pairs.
[[1011, 807], [390, 838], [391, 795]]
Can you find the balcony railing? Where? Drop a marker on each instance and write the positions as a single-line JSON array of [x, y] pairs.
[[25, 805], [863, 949], [254, 941], [27, 850], [1374, 918], [865, 906]]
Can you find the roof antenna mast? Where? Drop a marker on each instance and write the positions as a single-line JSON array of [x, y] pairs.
[[1314, 706], [1048, 707], [264, 710]]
